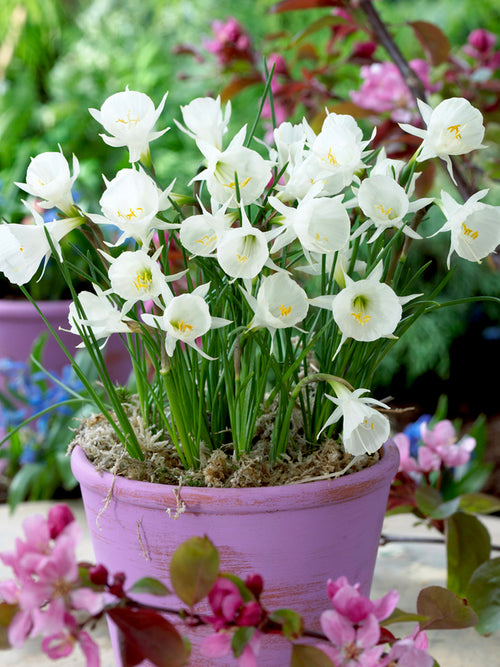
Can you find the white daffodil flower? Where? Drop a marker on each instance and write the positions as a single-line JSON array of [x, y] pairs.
[[48, 177], [131, 202], [243, 251], [320, 223], [385, 203], [100, 316], [201, 234], [385, 166], [135, 276], [129, 117], [24, 247], [336, 153], [290, 141], [186, 318], [205, 121], [315, 268], [235, 165], [365, 310], [365, 429], [474, 226], [454, 127], [280, 303]]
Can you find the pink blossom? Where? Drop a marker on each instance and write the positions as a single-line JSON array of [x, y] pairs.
[[383, 89], [442, 441], [409, 652], [231, 42], [406, 462], [350, 644], [61, 644], [348, 601]]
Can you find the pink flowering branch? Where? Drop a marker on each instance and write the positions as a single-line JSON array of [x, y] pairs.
[[58, 600]]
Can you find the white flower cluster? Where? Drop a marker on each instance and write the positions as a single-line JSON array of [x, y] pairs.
[[305, 208]]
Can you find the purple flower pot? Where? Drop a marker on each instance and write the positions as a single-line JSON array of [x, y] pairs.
[[295, 536], [21, 324]]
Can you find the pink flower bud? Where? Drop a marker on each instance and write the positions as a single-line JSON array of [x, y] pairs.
[[98, 575], [364, 50], [255, 584], [250, 615], [481, 40], [59, 517]]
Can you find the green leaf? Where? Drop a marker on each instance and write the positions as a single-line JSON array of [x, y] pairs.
[[430, 502], [483, 594], [290, 621], [468, 545], [479, 503], [7, 613], [309, 656], [146, 635], [194, 569], [292, 5], [149, 585], [400, 616], [445, 610], [246, 595], [240, 639]]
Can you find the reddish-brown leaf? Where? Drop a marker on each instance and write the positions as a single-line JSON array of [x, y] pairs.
[[433, 40], [146, 635]]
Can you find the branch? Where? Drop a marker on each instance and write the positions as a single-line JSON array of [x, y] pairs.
[[387, 539], [414, 83]]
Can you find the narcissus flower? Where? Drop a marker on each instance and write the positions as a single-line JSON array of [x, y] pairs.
[[236, 167], [454, 127], [243, 251], [280, 303], [48, 177], [474, 226], [337, 153], [365, 429], [367, 309], [129, 117], [385, 203], [204, 120], [131, 202], [100, 316], [135, 276], [201, 234], [186, 318], [320, 223], [24, 247]]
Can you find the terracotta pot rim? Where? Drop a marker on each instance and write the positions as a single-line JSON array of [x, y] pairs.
[[237, 500]]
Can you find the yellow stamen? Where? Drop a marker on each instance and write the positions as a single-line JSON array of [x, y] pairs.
[[242, 258], [128, 120], [241, 185], [383, 211], [143, 280], [362, 319], [367, 423], [331, 158], [182, 326], [131, 214], [318, 238], [469, 232], [455, 129], [284, 311], [207, 240]]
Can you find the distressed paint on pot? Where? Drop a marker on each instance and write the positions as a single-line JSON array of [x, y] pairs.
[[295, 536]]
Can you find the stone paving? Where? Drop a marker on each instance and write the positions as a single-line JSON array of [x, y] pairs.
[[407, 567]]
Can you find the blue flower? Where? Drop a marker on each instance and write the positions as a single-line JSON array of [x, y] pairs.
[[413, 433]]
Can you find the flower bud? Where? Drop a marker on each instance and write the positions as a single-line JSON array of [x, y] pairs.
[[59, 517], [98, 575], [255, 584]]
